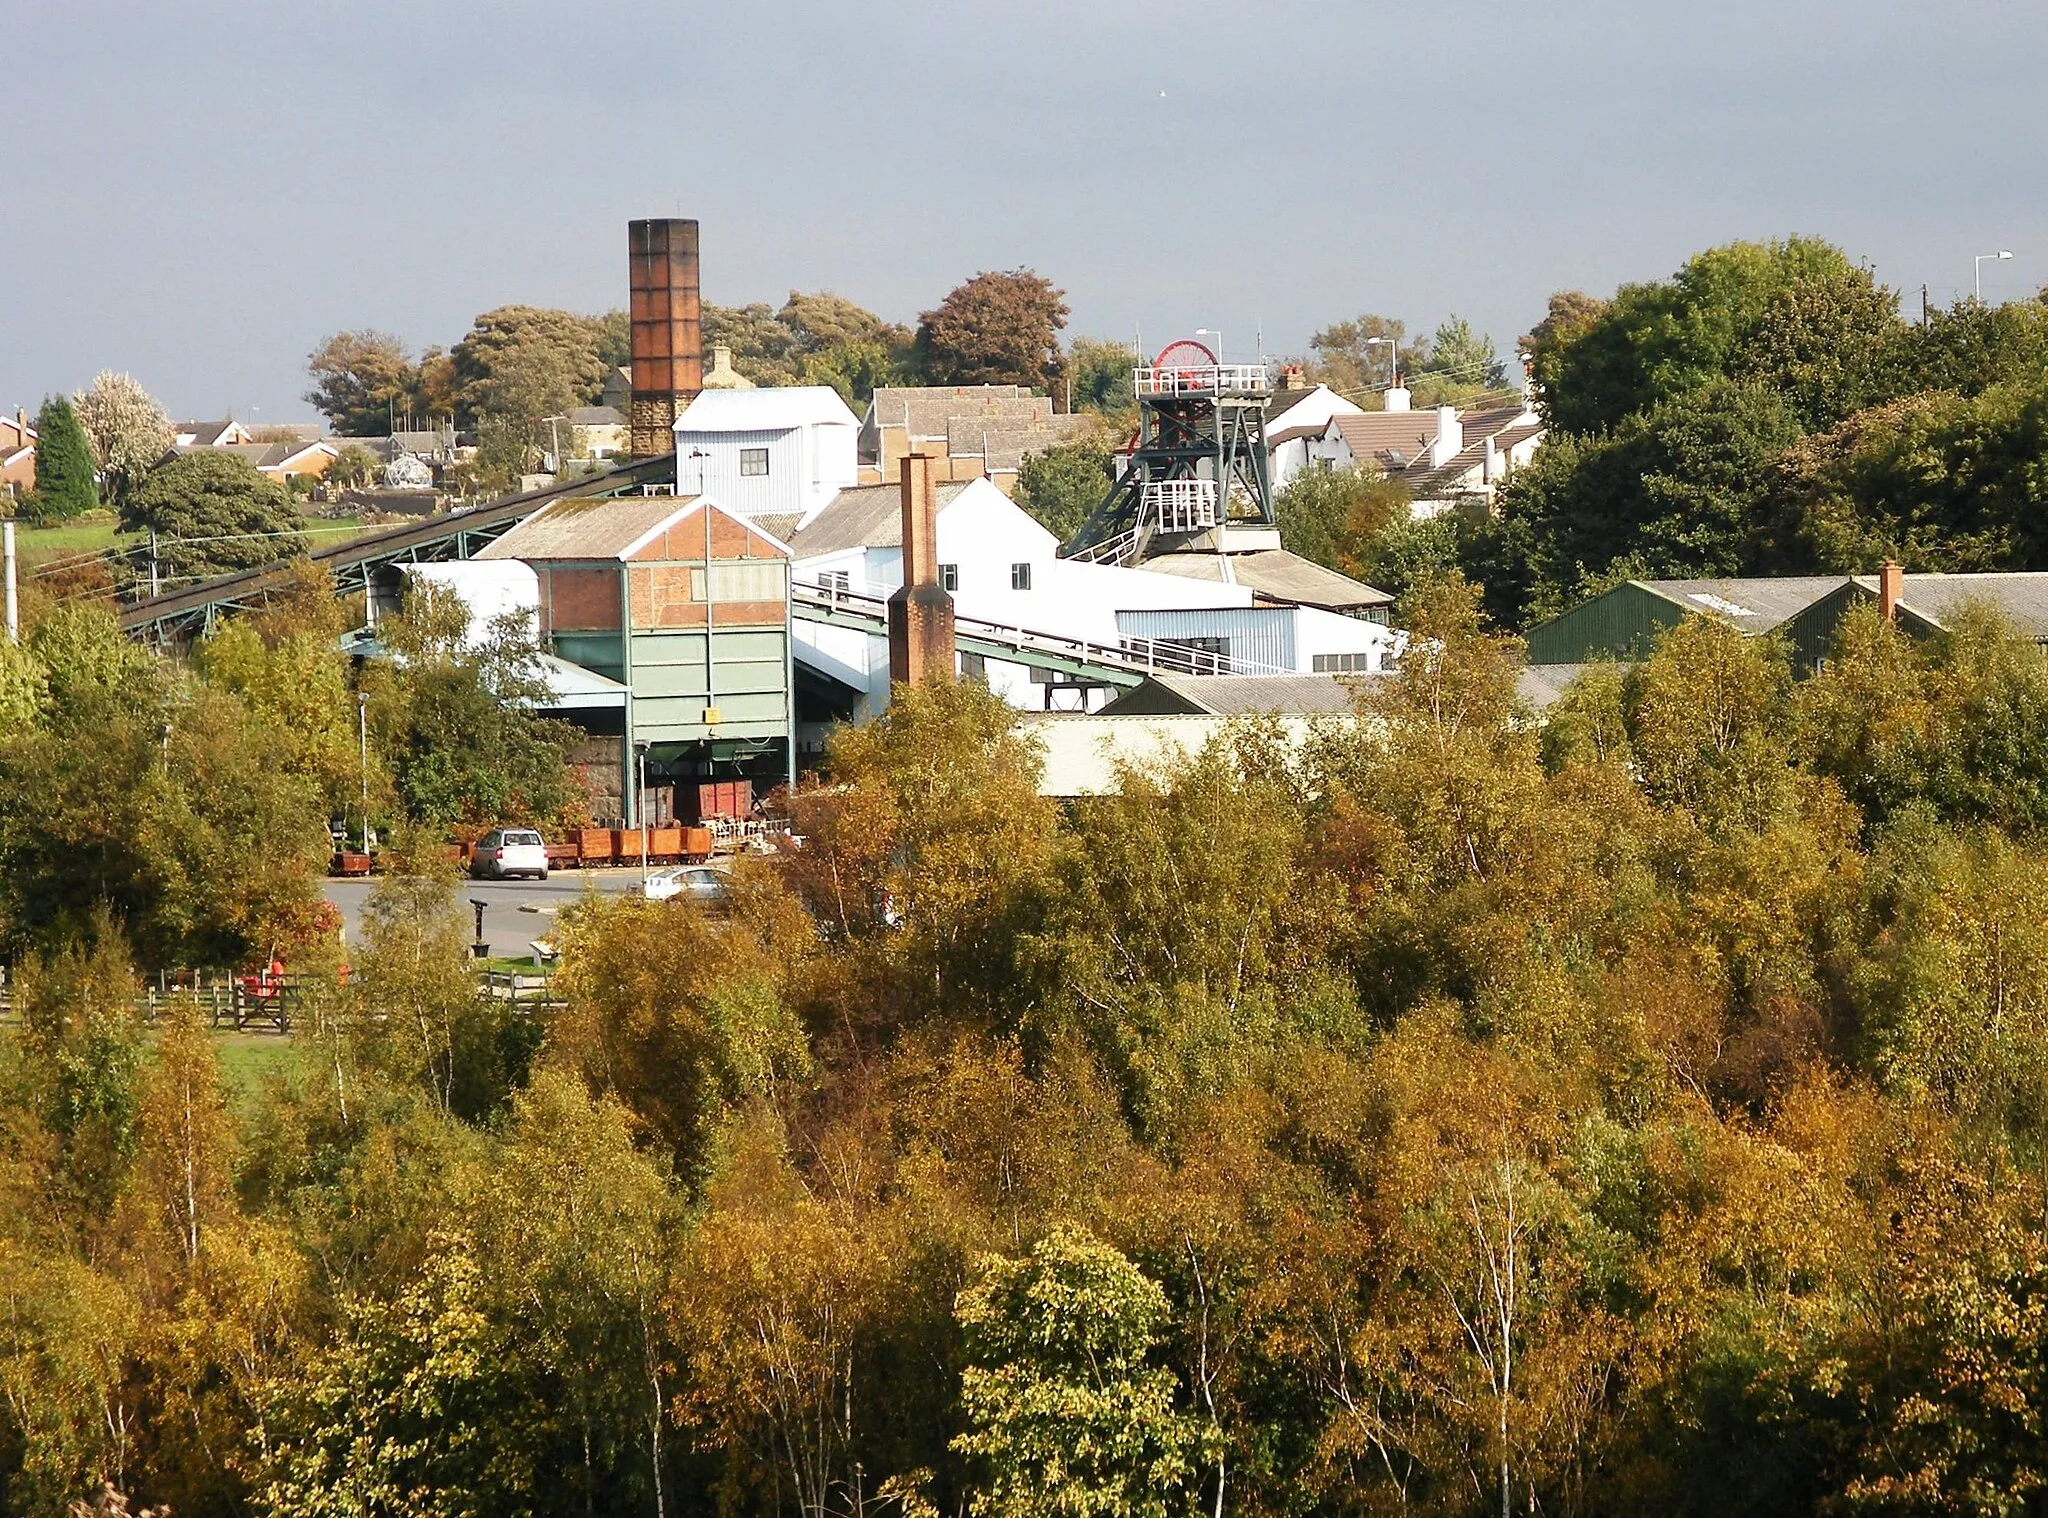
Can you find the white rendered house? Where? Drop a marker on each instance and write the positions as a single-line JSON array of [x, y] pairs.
[[1295, 421]]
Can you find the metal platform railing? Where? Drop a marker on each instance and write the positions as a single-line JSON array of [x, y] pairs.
[[1183, 505], [1128, 655], [1203, 379]]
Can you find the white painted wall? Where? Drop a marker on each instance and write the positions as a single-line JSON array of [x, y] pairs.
[[491, 588], [984, 534]]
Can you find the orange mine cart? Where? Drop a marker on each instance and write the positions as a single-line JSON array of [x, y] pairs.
[[665, 844], [696, 843], [594, 845], [626, 845]]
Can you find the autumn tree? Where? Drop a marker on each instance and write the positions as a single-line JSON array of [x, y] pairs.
[[1064, 1414], [129, 431], [364, 382], [997, 329], [1365, 354], [186, 1161], [1329, 515]]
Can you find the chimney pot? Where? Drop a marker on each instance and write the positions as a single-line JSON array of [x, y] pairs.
[[1891, 589]]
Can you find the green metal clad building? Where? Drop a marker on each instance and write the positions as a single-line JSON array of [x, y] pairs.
[[1803, 611], [688, 607], [1625, 622]]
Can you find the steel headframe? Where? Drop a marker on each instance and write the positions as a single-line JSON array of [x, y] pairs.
[[1211, 427]]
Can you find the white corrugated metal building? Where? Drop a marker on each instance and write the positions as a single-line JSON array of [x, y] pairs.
[[779, 452]]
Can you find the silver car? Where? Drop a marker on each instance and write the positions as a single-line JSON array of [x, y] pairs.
[[698, 882], [505, 852]]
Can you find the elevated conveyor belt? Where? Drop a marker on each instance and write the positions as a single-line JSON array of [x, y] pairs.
[[187, 612], [1123, 663]]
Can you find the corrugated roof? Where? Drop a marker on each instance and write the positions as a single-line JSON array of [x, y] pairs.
[[596, 416], [864, 516], [2022, 596], [1237, 695], [586, 527], [1754, 605], [1273, 574], [770, 409], [1541, 684]]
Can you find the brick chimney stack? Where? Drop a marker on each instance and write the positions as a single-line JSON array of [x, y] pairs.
[[1891, 589], [921, 613]]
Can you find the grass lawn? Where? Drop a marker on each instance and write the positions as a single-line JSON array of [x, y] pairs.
[[248, 1059], [40, 544]]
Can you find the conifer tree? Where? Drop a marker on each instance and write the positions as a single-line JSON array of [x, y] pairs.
[[64, 466]]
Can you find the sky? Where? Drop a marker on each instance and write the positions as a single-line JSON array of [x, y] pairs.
[[196, 191]]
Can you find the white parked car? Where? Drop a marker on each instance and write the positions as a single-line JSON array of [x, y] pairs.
[[505, 852], [699, 882]]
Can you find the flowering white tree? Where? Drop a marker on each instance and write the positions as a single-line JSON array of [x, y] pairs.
[[128, 430]]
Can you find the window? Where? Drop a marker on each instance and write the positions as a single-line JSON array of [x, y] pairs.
[[740, 580], [1020, 577], [753, 462], [1344, 664], [949, 577]]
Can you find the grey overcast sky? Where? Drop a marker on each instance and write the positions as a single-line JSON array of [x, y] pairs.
[[196, 190]]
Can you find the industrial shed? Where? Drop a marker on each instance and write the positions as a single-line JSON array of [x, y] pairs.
[[687, 606], [1623, 623]]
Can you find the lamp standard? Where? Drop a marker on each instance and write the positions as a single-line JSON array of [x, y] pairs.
[[1393, 347], [1211, 332], [640, 807], [2000, 256], [363, 751]]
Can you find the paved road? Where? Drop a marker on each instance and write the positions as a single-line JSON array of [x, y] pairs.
[[507, 928]]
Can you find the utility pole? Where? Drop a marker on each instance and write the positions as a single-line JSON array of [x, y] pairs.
[[1923, 302], [640, 808], [363, 747], [152, 562], [13, 605]]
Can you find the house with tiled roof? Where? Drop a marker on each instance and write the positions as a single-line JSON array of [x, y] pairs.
[[1446, 457], [210, 434], [282, 461], [1297, 416], [17, 455]]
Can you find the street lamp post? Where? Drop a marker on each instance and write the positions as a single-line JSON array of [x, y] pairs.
[[1211, 332], [1999, 257], [640, 806], [1393, 347], [363, 750]]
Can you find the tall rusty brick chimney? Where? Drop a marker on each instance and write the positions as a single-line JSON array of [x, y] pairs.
[[668, 337], [921, 613]]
